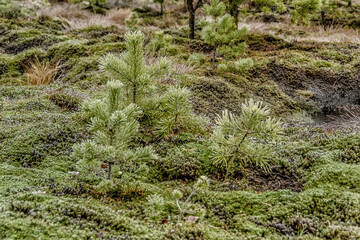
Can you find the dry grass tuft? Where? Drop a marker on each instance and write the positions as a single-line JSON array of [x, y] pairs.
[[336, 34], [41, 73], [348, 119], [118, 16], [78, 18], [287, 31]]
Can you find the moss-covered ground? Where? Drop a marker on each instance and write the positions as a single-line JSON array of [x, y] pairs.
[[312, 191]]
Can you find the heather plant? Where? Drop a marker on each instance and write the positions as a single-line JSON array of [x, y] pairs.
[[237, 140], [10, 9], [114, 126], [130, 68], [221, 32]]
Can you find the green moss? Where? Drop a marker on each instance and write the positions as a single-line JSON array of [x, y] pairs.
[[40, 131], [68, 49], [335, 176], [20, 40]]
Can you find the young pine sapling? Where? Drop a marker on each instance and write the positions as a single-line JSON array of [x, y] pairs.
[[221, 31], [236, 140], [114, 126], [302, 10], [131, 22], [174, 113], [201, 184], [130, 68]]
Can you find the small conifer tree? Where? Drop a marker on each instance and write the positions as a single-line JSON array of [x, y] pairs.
[[200, 185], [130, 68], [161, 44], [233, 9], [221, 31], [235, 140], [131, 22], [114, 126], [174, 113], [302, 10]]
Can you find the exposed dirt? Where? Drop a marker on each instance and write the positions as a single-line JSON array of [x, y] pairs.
[[331, 90], [277, 179], [260, 181]]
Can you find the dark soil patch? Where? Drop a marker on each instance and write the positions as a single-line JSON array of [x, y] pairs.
[[277, 179], [212, 97], [260, 181], [331, 90]]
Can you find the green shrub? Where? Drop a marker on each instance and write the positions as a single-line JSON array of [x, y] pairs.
[[63, 51], [302, 10]]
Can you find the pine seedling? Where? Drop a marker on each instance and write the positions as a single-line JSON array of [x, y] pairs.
[[236, 140], [174, 113], [130, 68], [201, 184], [160, 44], [302, 10], [131, 22], [233, 9], [114, 126], [221, 31]]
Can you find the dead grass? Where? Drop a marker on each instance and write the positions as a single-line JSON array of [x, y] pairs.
[[348, 119], [41, 73], [78, 18], [336, 34]]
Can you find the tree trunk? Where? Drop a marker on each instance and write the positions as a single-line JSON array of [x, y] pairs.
[[162, 9], [109, 170], [214, 57], [192, 9], [192, 24], [234, 11], [323, 19]]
